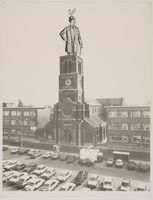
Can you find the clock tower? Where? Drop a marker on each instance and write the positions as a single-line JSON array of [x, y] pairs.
[[70, 111]]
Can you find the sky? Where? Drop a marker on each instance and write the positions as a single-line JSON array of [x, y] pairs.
[[116, 50]]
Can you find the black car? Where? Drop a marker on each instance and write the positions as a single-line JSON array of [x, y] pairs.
[[80, 178], [86, 162], [70, 159], [30, 167], [23, 151], [63, 157], [19, 167]]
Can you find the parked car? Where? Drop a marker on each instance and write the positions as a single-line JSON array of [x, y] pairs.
[[107, 184], [29, 168], [31, 151], [80, 178], [48, 154], [143, 167], [55, 156], [7, 175], [63, 157], [141, 187], [67, 187], [48, 173], [35, 155], [70, 159], [64, 176], [119, 163], [86, 162], [93, 181], [5, 148], [34, 184], [85, 189], [11, 164], [19, 166], [14, 150], [49, 185], [131, 165], [16, 177], [125, 185], [21, 183], [40, 169], [109, 161], [23, 151]]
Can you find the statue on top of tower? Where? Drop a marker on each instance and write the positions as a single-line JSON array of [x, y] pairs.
[[71, 36]]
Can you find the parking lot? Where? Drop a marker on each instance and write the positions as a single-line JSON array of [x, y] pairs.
[[99, 168]]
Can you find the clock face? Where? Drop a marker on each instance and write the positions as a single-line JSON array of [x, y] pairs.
[[68, 82], [67, 110]]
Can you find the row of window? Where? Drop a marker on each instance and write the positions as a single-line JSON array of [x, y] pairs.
[[134, 139], [132, 114], [15, 122], [20, 113], [95, 110], [133, 127]]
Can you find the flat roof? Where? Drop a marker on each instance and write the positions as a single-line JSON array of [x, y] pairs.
[[128, 106], [121, 152]]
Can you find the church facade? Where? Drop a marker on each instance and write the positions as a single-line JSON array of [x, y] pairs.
[[73, 123]]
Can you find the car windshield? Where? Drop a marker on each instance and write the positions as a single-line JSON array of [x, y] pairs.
[[48, 172], [46, 185], [63, 174], [30, 183], [62, 189], [39, 168], [93, 178], [109, 159], [107, 182], [125, 184], [21, 180], [15, 176]]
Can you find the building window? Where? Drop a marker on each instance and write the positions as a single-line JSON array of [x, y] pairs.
[[118, 126], [140, 139], [146, 127], [123, 114], [32, 123], [13, 113], [26, 113], [79, 67], [32, 113], [136, 127], [6, 121], [122, 139], [13, 122], [67, 122], [135, 114], [146, 114], [25, 122], [112, 114], [6, 113], [19, 113]]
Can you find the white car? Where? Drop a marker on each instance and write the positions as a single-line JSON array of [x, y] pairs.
[[64, 175], [11, 164], [108, 184], [7, 175], [119, 163], [85, 189], [125, 185], [93, 181], [67, 187], [16, 177], [48, 154], [31, 151], [40, 169], [34, 184], [49, 185], [14, 150], [48, 173], [24, 180], [141, 187]]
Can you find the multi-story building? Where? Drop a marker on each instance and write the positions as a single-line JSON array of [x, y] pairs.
[[128, 126], [26, 119]]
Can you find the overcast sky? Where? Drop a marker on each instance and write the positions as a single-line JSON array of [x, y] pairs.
[[116, 52]]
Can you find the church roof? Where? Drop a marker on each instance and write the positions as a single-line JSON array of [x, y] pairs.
[[95, 121], [92, 102], [111, 101]]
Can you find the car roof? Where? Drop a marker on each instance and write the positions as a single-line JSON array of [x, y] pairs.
[[119, 160], [41, 165], [65, 171], [109, 179], [94, 175], [51, 181], [126, 180]]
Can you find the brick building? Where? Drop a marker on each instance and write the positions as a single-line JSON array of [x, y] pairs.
[[25, 118], [128, 126]]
